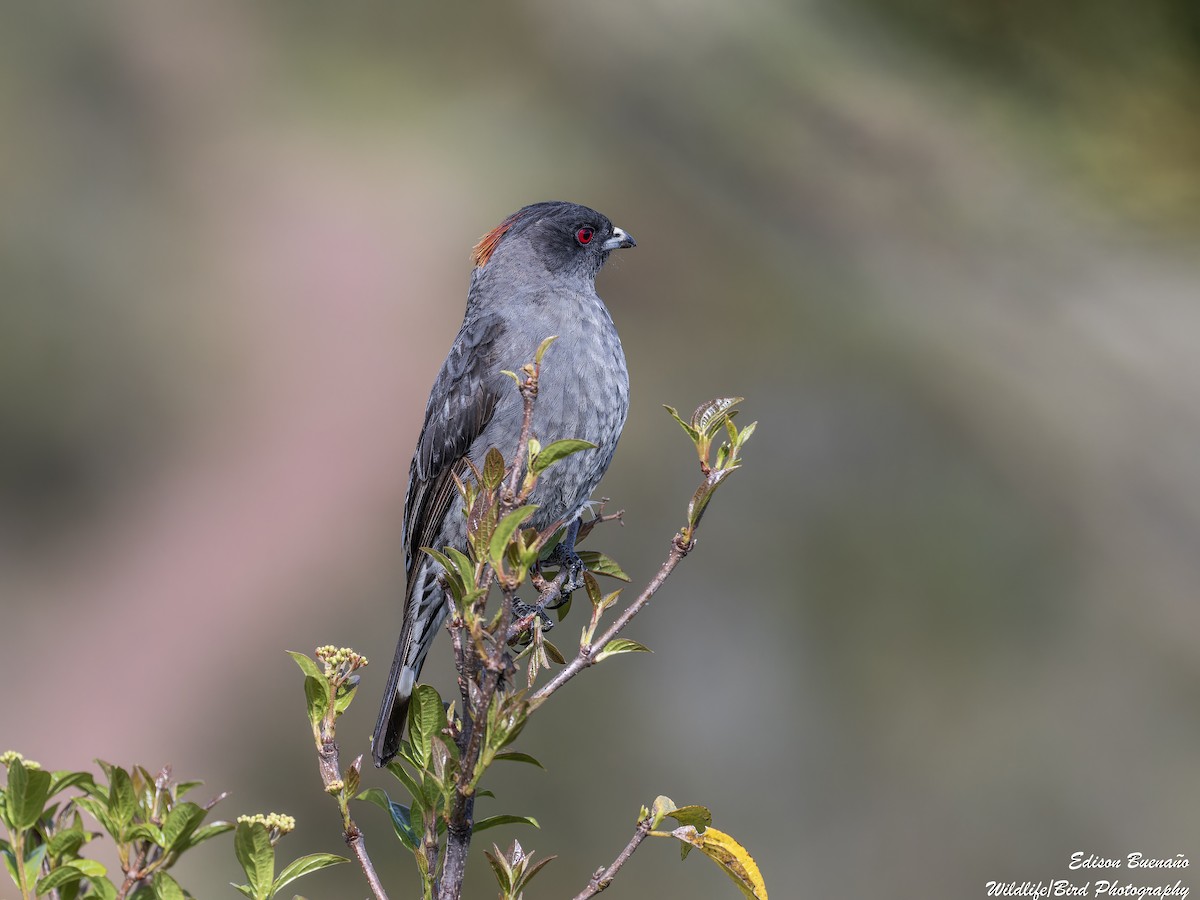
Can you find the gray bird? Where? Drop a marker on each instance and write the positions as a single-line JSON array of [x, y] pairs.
[[534, 276]]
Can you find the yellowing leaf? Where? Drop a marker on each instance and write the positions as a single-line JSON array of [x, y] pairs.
[[729, 855]]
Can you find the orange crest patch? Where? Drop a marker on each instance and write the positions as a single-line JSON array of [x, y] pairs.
[[487, 244]]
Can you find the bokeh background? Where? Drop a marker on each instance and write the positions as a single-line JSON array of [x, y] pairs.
[[943, 628]]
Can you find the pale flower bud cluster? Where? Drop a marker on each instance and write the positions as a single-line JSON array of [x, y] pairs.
[[340, 660], [8, 757], [277, 824]]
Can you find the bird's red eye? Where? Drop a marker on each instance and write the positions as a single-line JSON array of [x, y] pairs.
[[585, 234]]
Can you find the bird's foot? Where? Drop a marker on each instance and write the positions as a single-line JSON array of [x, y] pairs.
[[566, 558], [523, 610]]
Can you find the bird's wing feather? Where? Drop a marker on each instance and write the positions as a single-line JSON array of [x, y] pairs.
[[462, 402]]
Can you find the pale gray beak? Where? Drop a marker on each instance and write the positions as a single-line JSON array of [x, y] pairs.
[[618, 239]]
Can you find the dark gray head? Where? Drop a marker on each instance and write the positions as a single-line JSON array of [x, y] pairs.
[[566, 237]]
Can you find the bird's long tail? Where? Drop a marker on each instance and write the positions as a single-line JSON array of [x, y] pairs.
[[424, 612]]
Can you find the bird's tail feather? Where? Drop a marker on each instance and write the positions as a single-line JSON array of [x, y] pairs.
[[424, 611]]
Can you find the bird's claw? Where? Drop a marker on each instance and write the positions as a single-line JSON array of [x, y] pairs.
[[522, 610], [568, 560]]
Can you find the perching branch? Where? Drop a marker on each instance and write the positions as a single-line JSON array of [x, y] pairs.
[[586, 656], [603, 877]]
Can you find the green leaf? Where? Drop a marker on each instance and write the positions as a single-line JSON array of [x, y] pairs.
[[698, 817], [744, 434], [403, 776], [562, 609], [316, 696], [345, 696], [98, 810], [466, 572], [307, 665], [376, 796], [33, 860], [89, 867], [28, 791], [621, 645], [353, 777], [431, 791], [183, 787], [208, 831], [543, 347], [501, 868], [493, 469], [167, 888], [704, 493], [553, 652], [252, 844], [599, 564], [64, 780], [122, 800], [70, 873], [181, 822], [534, 868], [552, 453], [66, 842], [145, 831], [661, 806], [453, 579], [10, 862], [505, 529], [400, 815], [244, 888], [103, 889], [516, 756], [691, 432], [592, 586], [305, 864], [493, 821], [60, 876], [426, 717], [463, 563]]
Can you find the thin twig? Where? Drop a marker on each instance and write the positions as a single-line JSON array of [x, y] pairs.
[[585, 528], [329, 763], [529, 392], [679, 549], [603, 877], [357, 843], [459, 825], [134, 873]]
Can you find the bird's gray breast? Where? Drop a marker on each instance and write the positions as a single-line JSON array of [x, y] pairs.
[[583, 393]]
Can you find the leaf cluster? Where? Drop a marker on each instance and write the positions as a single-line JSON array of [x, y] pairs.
[[254, 843], [146, 817], [705, 425]]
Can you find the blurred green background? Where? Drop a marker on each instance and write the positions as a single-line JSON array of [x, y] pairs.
[[941, 629]]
